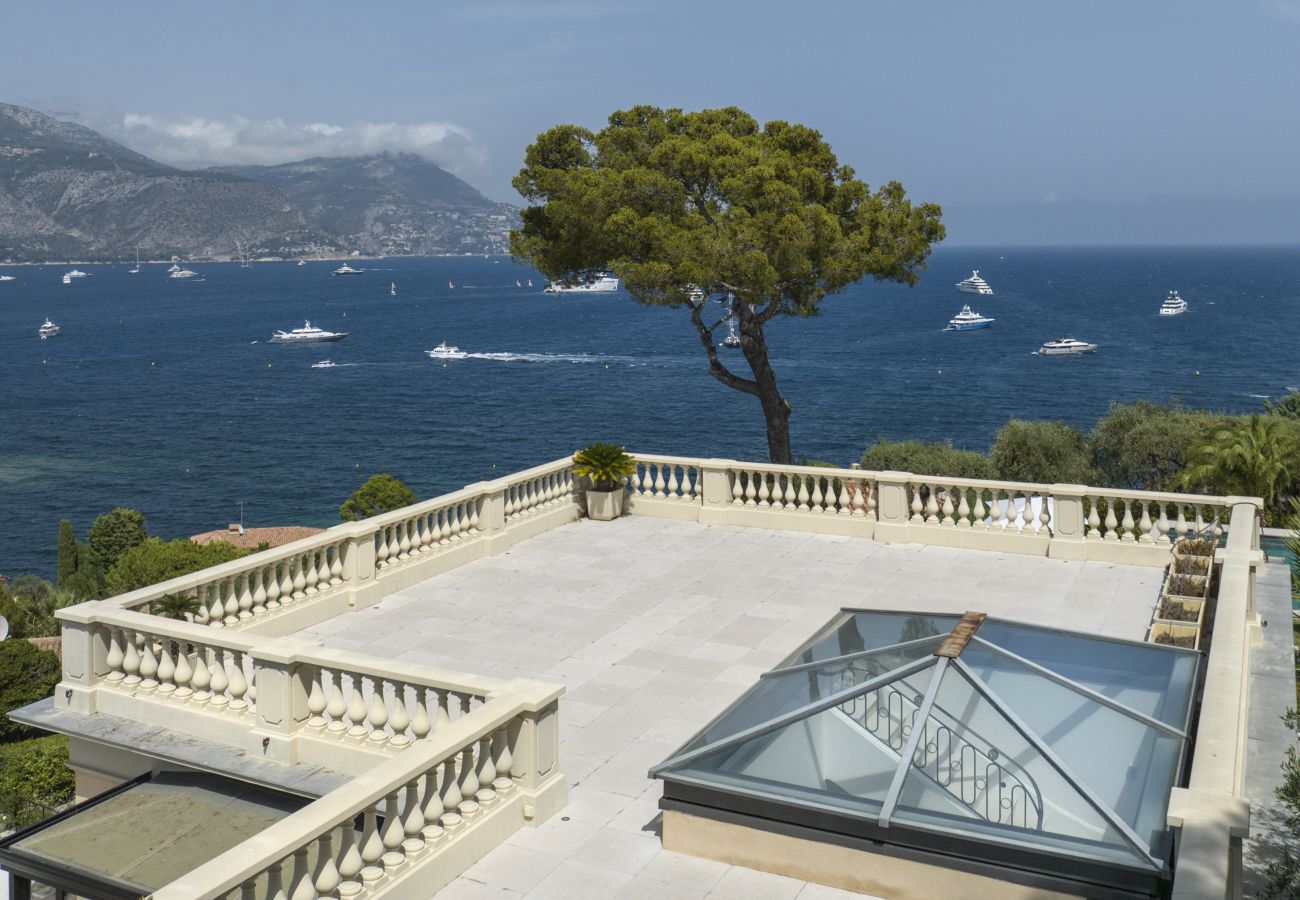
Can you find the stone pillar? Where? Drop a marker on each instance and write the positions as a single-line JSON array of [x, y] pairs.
[[892, 510], [1068, 522], [283, 685], [359, 563], [715, 495], [535, 756], [85, 648]]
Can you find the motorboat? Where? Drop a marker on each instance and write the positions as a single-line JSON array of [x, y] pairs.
[[446, 351], [7, 277], [302, 262], [183, 274], [48, 330], [308, 333], [1066, 346], [601, 284], [173, 268], [345, 269], [75, 273], [968, 320], [974, 285], [324, 364], [693, 291], [732, 339], [1174, 305]]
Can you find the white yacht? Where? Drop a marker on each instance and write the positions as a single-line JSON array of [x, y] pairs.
[[732, 339], [1066, 346], [308, 333], [1174, 305], [67, 279], [968, 320], [602, 284], [173, 269], [6, 277], [136, 270], [345, 269], [48, 330], [75, 273], [392, 288], [183, 273], [694, 291], [302, 262], [446, 351], [324, 364], [974, 285]]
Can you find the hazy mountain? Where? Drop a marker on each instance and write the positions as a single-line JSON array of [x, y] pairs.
[[389, 204], [67, 192]]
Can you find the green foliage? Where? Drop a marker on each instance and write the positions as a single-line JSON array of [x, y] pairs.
[[1284, 873], [175, 606], [27, 674], [67, 551], [37, 613], [1042, 452], [34, 780], [670, 199], [381, 493], [116, 532], [156, 560], [926, 458], [1254, 457], [605, 464], [1145, 445], [1287, 406]]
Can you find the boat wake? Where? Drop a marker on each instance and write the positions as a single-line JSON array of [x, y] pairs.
[[548, 357]]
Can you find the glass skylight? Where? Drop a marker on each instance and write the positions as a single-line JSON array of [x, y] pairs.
[[991, 733]]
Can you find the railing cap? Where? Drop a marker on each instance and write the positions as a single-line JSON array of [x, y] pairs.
[[1256, 502], [285, 650]]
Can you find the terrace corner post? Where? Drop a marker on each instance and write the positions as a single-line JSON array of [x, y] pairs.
[[715, 494], [892, 506], [535, 763], [359, 562], [1068, 522], [283, 684], [85, 653]]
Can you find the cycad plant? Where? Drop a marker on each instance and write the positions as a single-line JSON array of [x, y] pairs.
[[176, 606], [1257, 457], [605, 464]]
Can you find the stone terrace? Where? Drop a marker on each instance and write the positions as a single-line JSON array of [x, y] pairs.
[[655, 626]]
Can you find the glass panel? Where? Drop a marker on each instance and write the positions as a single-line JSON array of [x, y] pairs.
[[775, 695], [976, 774], [858, 631], [844, 757], [1134, 774], [1156, 682]]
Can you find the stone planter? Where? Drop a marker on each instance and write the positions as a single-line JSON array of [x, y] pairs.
[[1178, 634], [1192, 611], [605, 505], [1192, 565], [1185, 587]]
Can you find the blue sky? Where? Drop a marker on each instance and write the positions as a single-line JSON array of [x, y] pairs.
[[1042, 121]]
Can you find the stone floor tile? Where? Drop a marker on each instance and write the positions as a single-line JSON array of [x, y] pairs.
[[822, 892], [618, 849], [641, 888], [574, 880], [686, 871], [749, 884], [514, 868]]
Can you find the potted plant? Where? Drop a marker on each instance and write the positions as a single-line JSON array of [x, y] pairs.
[[605, 466]]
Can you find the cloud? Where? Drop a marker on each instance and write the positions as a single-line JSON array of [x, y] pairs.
[[195, 142]]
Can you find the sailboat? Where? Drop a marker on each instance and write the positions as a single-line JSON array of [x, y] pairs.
[[450, 286], [517, 284], [136, 270], [392, 288], [530, 282], [244, 263]]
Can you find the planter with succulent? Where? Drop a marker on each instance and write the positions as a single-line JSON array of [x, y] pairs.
[[606, 468]]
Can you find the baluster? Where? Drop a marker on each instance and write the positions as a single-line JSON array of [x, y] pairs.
[[312, 573], [420, 724], [381, 548], [764, 491], [963, 508], [819, 498], [751, 488], [336, 564], [473, 515], [216, 608], [238, 683], [449, 791], [916, 503], [357, 711], [184, 675], [977, 513], [131, 662], [1094, 520], [468, 783], [116, 655], [245, 597], [1162, 524], [275, 881], [843, 506], [870, 488], [300, 886], [433, 809], [1127, 524], [166, 670], [932, 505], [487, 772], [1112, 524], [404, 544], [220, 681], [503, 759], [442, 530], [378, 717], [316, 702], [638, 479], [1181, 528], [399, 720], [737, 490], [259, 592], [443, 717], [202, 678], [1044, 517], [947, 508], [148, 666], [287, 594], [392, 835], [227, 589], [372, 848], [428, 534], [297, 564], [1144, 524], [337, 707], [350, 862], [857, 498], [327, 873], [412, 820], [1027, 517]]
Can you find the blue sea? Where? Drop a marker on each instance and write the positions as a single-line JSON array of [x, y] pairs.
[[166, 396]]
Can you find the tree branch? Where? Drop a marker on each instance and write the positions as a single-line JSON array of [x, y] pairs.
[[716, 368]]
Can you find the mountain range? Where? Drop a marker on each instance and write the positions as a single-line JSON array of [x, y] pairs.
[[69, 193]]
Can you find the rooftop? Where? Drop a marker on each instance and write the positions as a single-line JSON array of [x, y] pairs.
[[655, 626], [254, 538]]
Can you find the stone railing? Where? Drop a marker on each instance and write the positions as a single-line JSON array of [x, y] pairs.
[[1061, 520], [410, 824], [356, 564]]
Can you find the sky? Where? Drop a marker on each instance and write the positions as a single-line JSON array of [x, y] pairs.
[[1028, 121]]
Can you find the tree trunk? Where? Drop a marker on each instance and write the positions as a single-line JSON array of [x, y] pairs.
[[776, 409]]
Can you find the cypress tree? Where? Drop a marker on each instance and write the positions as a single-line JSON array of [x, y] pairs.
[[67, 552]]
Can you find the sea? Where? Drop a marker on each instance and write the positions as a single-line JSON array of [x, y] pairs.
[[166, 395]]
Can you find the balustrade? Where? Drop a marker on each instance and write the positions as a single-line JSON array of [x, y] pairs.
[[531, 494], [1148, 518], [803, 489], [179, 669], [664, 479]]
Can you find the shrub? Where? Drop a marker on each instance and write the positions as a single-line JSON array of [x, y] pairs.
[[116, 532], [27, 674], [1041, 452], [380, 494], [926, 458], [34, 780], [157, 560], [605, 464], [1145, 445]]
